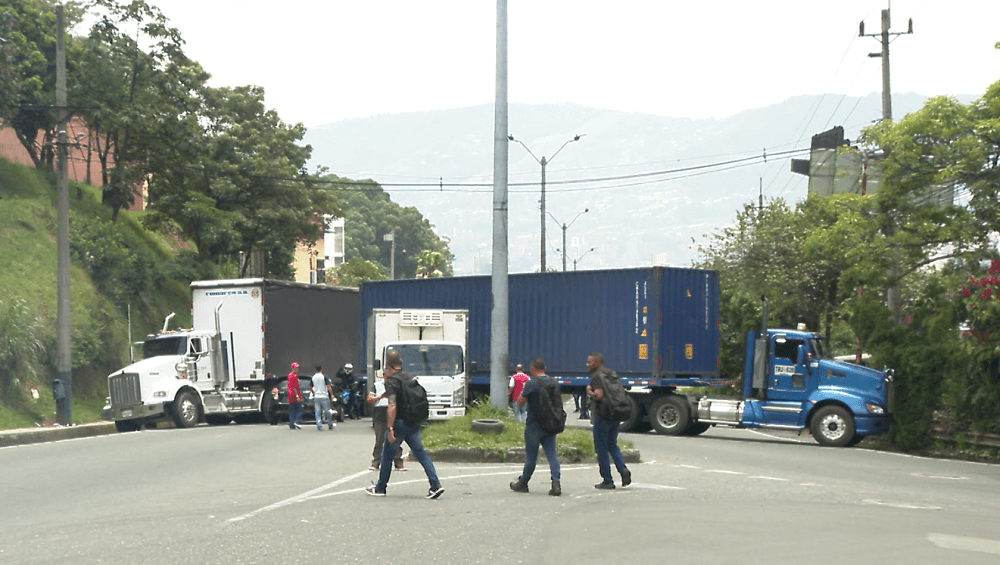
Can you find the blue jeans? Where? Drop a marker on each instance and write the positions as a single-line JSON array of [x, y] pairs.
[[321, 405], [411, 435], [520, 412], [294, 414], [606, 446], [533, 437]]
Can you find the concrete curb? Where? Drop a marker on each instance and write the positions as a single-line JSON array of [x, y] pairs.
[[26, 436]]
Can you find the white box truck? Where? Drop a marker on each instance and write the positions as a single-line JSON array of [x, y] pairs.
[[432, 344], [245, 335]]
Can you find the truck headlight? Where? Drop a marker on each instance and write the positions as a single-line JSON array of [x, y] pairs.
[[160, 394], [875, 408]]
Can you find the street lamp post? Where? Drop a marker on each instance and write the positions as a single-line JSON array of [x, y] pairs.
[[391, 237], [564, 228], [544, 162], [582, 256]]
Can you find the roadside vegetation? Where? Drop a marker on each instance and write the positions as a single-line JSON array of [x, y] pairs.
[[457, 433]]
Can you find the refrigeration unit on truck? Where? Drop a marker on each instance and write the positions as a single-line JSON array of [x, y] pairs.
[[245, 334], [658, 328], [432, 345]]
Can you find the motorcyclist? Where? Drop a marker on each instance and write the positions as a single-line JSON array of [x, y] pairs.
[[348, 383]]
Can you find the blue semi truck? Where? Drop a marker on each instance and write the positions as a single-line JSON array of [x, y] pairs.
[[658, 328]]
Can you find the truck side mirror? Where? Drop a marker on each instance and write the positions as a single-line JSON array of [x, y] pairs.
[[803, 356], [376, 364], [472, 367]]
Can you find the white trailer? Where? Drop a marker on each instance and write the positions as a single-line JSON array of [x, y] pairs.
[[432, 344]]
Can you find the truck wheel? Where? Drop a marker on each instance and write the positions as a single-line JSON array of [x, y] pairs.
[[832, 426], [670, 415], [187, 412], [128, 425], [488, 426], [634, 421], [269, 408]]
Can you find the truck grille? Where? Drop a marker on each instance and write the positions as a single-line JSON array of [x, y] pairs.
[[124, 389]]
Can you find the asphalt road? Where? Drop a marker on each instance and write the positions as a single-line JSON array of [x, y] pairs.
[[265, 494]]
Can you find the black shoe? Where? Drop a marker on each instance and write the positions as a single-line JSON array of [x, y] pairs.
[[518, 486], [626, 477], [435, 492], [556, 489], [605, 486]]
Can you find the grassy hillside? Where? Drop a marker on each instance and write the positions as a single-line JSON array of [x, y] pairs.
[[116, 268]]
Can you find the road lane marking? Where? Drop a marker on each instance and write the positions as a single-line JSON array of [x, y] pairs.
[[298, 498], [902, 505], [942, 477], [981, 545]]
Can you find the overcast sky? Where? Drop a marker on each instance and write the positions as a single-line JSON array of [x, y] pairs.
[[322, 61]]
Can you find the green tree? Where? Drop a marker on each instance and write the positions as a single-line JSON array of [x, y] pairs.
[[431, 264], [974, 396], [369, 214], [27, 77], [354, 272]]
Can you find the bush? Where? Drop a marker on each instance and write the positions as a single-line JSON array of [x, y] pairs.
[[457, 433]]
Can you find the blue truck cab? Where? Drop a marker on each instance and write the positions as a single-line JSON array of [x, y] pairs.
[[791, 382]]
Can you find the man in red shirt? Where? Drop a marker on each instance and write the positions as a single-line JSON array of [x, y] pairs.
[[514, 388], [295, 399]]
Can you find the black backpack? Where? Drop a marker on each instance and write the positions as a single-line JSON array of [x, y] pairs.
[[551, 415], [616, 405], [411, 400]]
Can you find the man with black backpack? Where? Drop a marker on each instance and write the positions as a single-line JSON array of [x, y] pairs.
[[541, 395], [604, 384], [404, 425]]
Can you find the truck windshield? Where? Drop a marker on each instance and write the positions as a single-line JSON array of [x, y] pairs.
[[158, 346], [431, 359], [817, 347]]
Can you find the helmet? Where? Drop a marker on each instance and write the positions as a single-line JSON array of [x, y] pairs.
[[348, 367], [295, 365]]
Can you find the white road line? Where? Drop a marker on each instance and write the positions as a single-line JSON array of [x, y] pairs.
[[968, 544], [300, 497], [762, 477], [902, 505]]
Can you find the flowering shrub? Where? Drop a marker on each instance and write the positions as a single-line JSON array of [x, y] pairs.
[[975, 395]]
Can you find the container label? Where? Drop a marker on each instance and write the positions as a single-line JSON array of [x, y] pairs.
[[643, 351], [689, 351]]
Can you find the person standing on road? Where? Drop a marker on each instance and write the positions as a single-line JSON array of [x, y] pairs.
[[605, 431], [380, 412], [295, 399], [322, 391], [399, 431], [515, 388], [533, 433]]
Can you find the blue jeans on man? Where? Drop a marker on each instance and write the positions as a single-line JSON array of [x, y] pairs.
[[520, 413], [533, 437], [295, 410], [606, 446], [411, 435], [321, 405]]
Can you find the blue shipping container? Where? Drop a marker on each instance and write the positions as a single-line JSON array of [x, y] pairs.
[[650, 323]]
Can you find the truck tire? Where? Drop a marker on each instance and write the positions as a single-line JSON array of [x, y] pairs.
[[488, 426], [186, 410], [128, 425], [634, 422], [832, 426], [670, 415], [268, 407]]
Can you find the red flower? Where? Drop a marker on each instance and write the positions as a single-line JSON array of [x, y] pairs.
[[995, 267], [987, 294], [966, 292]]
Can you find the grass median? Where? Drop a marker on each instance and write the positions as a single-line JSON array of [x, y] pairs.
[[457, 433]]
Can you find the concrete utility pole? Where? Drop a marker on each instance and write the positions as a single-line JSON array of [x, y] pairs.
[[62, 387], [893, 296], [499, 336], [391, 237]]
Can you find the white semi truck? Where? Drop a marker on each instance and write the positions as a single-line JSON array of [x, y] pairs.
[[432, 344], [245, 335]]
